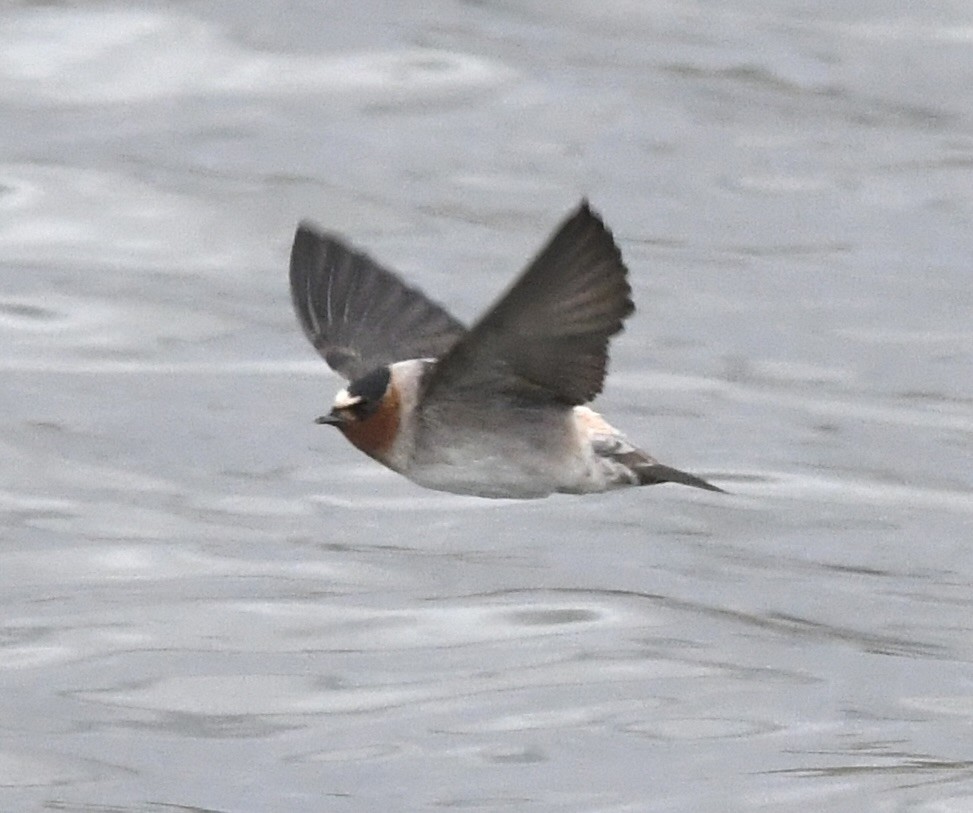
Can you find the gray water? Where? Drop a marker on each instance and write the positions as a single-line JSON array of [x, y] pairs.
[[208, 603]]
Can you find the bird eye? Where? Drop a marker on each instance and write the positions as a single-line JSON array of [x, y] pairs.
[[362, 409], [359, 410]]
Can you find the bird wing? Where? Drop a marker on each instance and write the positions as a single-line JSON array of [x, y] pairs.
[[546, 339], [358, 315]]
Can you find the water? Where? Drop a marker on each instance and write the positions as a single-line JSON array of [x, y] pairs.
[[210, 603]]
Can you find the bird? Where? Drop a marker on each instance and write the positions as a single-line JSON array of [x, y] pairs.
[[499, 410]]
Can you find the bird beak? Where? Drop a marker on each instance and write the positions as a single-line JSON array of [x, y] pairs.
[[333, 418]]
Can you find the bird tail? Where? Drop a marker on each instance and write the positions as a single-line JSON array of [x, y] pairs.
[[654, 473]]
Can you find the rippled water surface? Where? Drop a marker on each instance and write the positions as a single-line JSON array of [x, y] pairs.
[[209, 603]]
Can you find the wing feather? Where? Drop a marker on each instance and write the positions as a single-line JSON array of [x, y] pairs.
[[359, 315], [546, 339]]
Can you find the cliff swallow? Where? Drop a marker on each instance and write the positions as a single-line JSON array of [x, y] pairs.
[[497, 410]]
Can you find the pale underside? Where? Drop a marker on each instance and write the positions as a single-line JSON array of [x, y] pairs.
[[523, 454]]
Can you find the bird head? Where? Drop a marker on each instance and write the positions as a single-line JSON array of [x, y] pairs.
[[367, 412]]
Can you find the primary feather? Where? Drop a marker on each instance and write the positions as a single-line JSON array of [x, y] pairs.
[[357, 314]]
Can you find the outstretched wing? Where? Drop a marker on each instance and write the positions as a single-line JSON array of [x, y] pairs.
[[546, 339], [358, 315]]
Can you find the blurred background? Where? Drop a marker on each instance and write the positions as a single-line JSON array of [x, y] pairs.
[[209, 603]]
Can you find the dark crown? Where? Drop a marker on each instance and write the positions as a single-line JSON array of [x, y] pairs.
[[372, 386]]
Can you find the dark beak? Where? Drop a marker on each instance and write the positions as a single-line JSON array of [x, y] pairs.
[[333, 418]]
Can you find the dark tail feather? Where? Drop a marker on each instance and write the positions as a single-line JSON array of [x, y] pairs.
[[656, 473]]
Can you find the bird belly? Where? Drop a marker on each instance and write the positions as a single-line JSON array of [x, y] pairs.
[[483, 473], [520, 457]]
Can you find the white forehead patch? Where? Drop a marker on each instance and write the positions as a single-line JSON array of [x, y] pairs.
[[344, 400]]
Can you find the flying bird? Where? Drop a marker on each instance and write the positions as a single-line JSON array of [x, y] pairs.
[[496, 410]]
